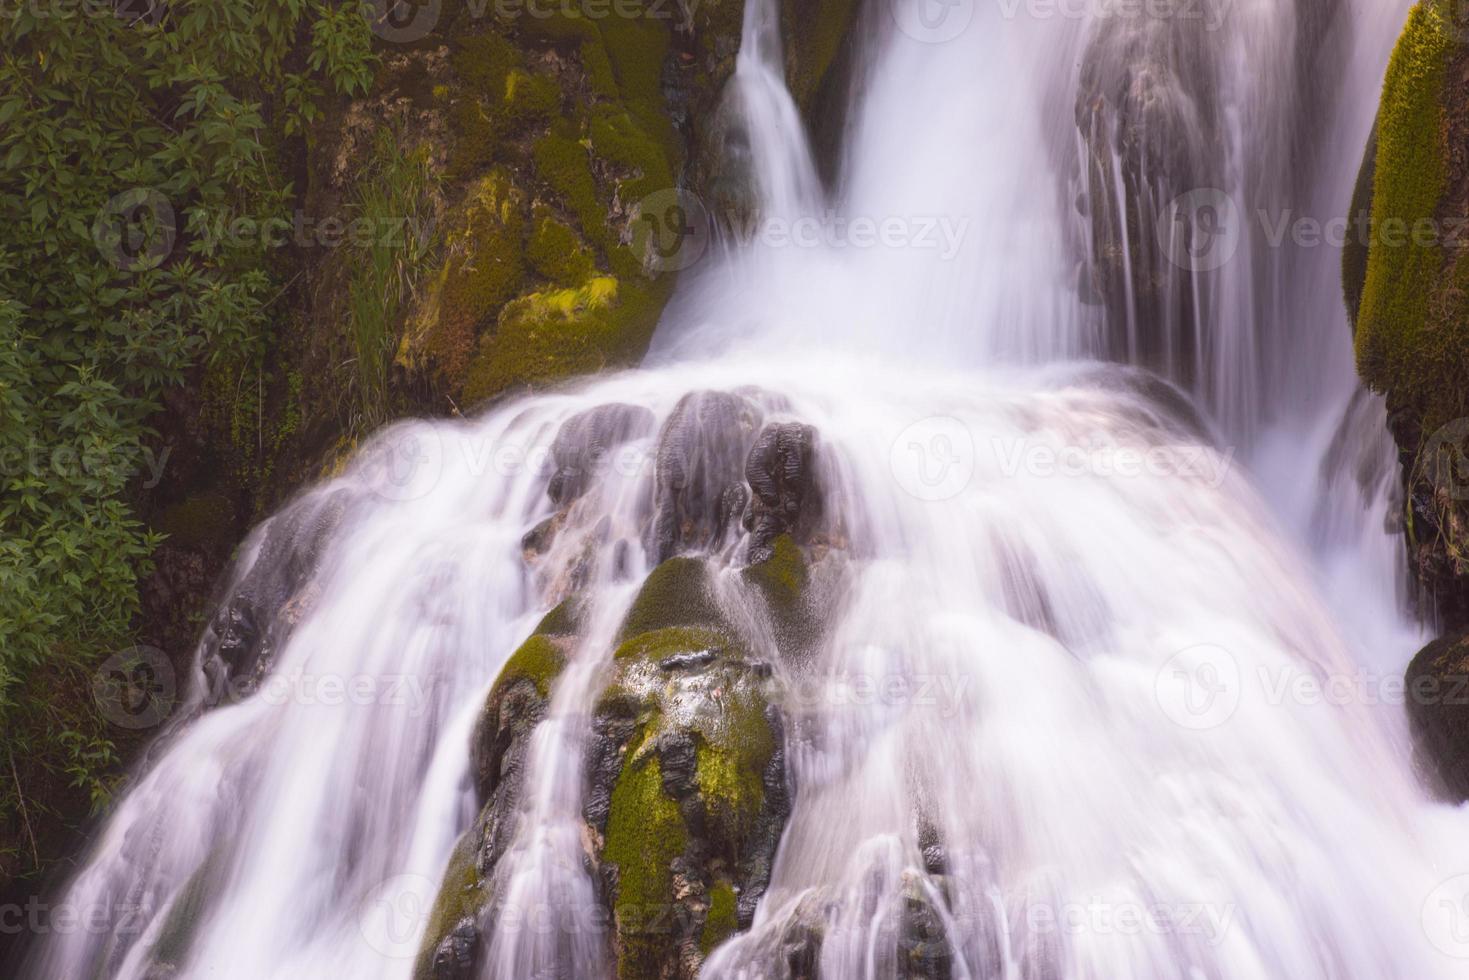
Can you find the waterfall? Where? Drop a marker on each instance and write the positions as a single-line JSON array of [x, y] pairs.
[[1054, 725]]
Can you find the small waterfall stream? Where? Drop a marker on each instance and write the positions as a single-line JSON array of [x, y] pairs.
[[1067, 607]]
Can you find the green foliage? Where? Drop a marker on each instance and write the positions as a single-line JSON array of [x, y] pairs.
[[391, 243], [341, 47], [120, 142]]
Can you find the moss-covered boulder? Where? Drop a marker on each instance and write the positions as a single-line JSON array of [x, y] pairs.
[[687, 783], [1412, 297], [516, 704], [1437, 686]]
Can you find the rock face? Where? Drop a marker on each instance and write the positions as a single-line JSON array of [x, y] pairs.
[[781, 472], [265, 605], [1437, 686], [584, 442], [687, 792], [1407, 293], [687, 779], [1150, 133], [700, 488]]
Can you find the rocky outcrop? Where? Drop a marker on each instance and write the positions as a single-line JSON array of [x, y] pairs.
[[1411, 301], [687, 779], [785, 498], [687, 791], [584, 441], [700, 490], [1437, 687]]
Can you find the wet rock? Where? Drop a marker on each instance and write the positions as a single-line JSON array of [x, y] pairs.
[[1437, 685], [516, 705], [688, 786], [781, 472], [454, 957], [700, 471], [923, 946], [262, 607], [584, 441]]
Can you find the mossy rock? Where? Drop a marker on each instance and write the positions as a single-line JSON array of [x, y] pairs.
[[678, 593], [784, 581], [686, 775], [549, 336], [1437, 686], [1412, 334]]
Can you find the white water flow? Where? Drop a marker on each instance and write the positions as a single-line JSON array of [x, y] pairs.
[[1085, 613]]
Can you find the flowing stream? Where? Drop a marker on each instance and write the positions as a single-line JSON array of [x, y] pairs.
[[1083, 597]]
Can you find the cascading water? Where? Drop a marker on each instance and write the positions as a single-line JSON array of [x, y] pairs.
[[1076, 609]]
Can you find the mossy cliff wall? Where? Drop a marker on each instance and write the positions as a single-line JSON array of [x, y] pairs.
[[1411, 312], [492, 173]]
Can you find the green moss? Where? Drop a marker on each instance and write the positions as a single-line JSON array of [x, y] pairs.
[[461, 894], [1406, 333], [731, 766], [721, 921], [564, 620], [659, 644], [782, 577], [1354, 254], [549, 336], [484, 269], [539, 659], [557, 253], [564, 163], [677, 593], [645, 832]]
